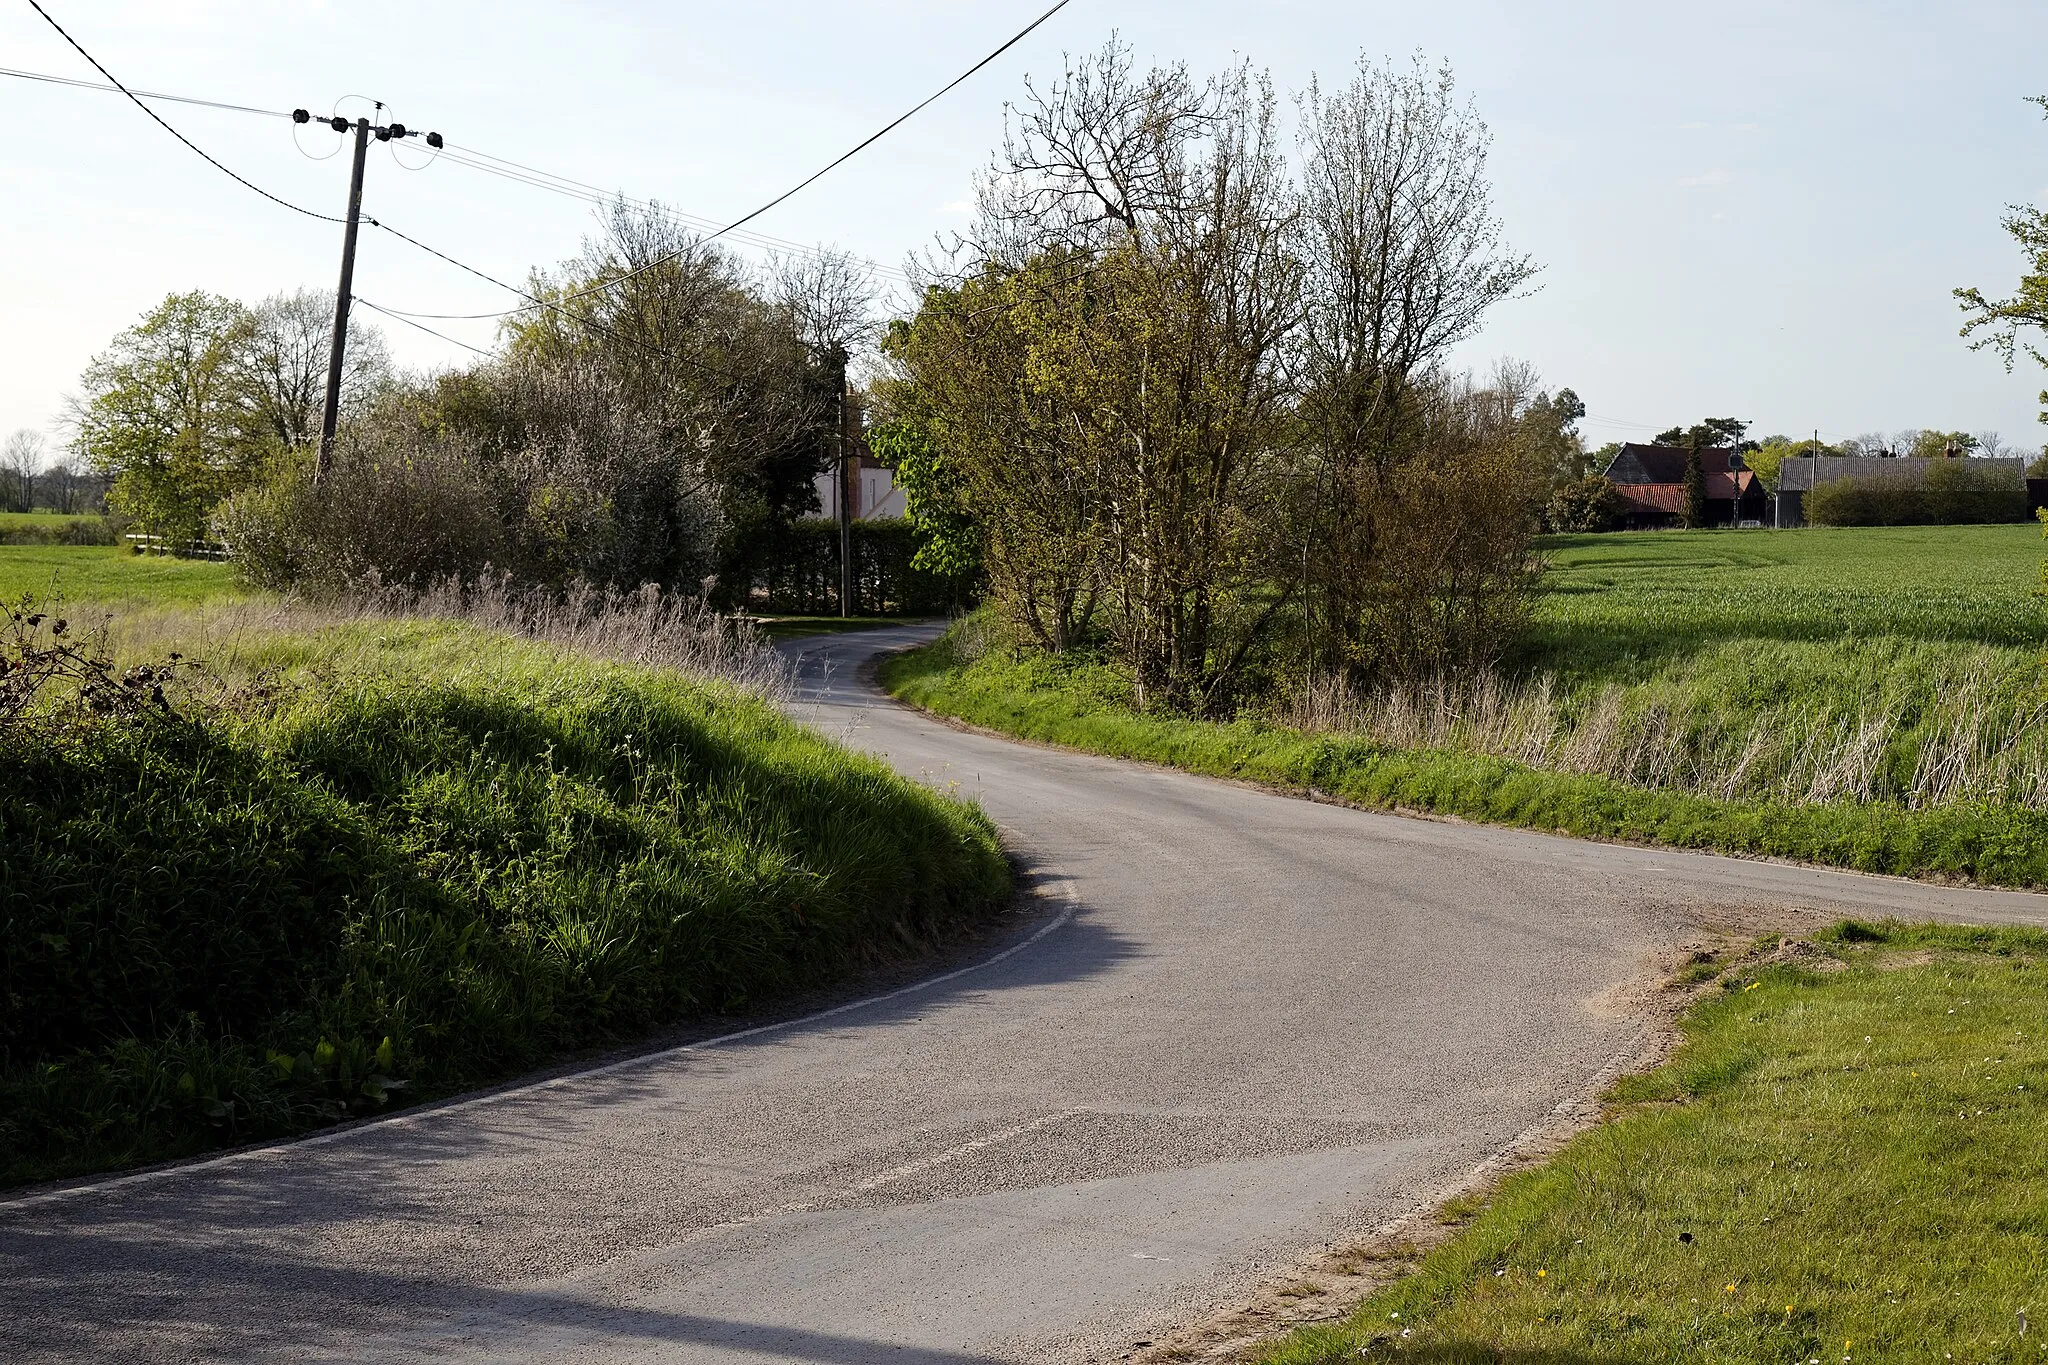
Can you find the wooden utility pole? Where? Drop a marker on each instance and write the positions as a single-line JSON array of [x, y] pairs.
[[849, 489], [338, 344]]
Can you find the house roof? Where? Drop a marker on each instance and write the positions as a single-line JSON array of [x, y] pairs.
[[1653, 497], [1637, 464], [1726, 485], [1799, 473]]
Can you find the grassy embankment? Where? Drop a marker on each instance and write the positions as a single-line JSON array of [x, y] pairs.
[[1847, 1158], [390, 860], [1866, 698]]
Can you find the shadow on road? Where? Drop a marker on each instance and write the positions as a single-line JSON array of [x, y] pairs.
[[149, 1301]]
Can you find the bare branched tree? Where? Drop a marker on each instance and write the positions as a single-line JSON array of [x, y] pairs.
[[1404, 259], [282, 364], [21, 460], [1166, 205]]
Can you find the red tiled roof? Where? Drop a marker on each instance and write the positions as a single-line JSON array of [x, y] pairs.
[[1670, 497], [1654, 497]]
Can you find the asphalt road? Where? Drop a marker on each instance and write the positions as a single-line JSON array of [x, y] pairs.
[[1243, 1026]]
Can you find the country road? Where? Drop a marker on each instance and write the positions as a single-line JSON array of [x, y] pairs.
[[1240, 1027]]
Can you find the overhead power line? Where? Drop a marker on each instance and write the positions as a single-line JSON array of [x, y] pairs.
[[514, 171], [484, 162], [77, 84], [836, 163], [246, 184], [401, 317]]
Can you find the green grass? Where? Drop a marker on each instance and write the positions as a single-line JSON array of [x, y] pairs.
[[112, 575], [1847, 1158], [433, 858], [1866, 698]]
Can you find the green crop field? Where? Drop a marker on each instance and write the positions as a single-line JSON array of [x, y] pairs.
[[111, 574], [1621, 605]]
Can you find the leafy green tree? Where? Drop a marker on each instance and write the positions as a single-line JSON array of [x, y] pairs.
[[1549, 436], [1936, 445], [1767, 461], [1714, 431], [162, 413], [934, 488]]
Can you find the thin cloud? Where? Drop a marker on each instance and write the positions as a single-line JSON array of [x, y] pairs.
[[1705, 179]]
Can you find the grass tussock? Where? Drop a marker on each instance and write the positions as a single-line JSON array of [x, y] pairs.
[[1846, 1159], [372, 860]]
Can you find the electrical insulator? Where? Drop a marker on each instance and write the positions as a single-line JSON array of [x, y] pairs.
[[301, 116], [434, 141], [383, 135], [398, 130], [338, 124]]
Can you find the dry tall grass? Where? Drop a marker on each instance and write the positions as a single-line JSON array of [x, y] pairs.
[[1969, 736], [673, 631]]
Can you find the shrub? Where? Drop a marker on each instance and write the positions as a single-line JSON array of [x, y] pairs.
[[413, 508], [1588, 504], [1949, 493], [542, 470], [64, 531]]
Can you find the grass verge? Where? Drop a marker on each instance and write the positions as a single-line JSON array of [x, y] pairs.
[[1846, 1158], [428, 858], [1058, 702]]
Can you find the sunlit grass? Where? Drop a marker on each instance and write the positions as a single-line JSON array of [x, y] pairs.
[[1847, 1158], [1871, 698], [110, 574]]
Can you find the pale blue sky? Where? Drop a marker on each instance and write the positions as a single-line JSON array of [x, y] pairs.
[[1743, 209]]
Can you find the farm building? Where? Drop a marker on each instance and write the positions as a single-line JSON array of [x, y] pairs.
[[1651, 482], [1800, 475]]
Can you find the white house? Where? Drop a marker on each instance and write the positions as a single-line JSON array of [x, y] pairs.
[[876, 494]]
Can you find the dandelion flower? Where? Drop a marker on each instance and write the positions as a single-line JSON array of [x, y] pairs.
[[1731, 1288]]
